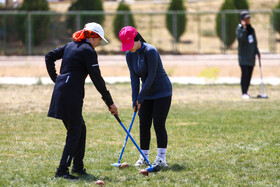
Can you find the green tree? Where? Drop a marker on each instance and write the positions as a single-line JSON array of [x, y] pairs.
[[176, 5], [39, 23], [241, 4], [7, 25], [230, 22], [276, 16], [122, 20], [86, 5]]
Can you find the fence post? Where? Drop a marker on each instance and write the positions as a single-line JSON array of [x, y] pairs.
[[126, 18], [5, 35], [174, 18], [151, 28], [223, 32], [198, 33], [78, 21], [29, 31], [272, 47]]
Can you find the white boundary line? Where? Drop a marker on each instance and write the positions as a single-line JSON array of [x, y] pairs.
[[112, 80]]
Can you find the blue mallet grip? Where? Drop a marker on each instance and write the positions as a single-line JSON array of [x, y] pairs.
[[117, 117]]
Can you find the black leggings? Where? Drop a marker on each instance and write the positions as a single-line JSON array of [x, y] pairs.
[[246, 78], [154, 110], [74, 145]]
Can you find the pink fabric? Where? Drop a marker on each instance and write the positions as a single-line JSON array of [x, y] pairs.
[[127, 35]]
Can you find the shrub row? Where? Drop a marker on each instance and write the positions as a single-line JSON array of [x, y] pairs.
[[40, 24]]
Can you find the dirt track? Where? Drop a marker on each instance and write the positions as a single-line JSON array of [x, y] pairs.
[[183, 65]]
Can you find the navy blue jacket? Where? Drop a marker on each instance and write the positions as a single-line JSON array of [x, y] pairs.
[[79, 59], [146, 64]]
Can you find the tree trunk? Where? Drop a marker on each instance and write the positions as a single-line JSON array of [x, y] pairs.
[[9, 4]]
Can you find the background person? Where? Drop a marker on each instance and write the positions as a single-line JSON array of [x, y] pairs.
[[154, 99], [79, 59], [247, 51]]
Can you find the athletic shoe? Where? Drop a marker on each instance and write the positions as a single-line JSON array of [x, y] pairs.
[[80, 172], [141, 162], [159, 162], [65, 175], [245, 96]]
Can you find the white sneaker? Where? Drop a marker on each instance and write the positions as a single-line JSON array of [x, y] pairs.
[[245, 96], [159, 162], [141, 162]]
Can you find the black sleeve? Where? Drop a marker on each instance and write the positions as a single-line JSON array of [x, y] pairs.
[[50, 59], [95, 75], [241, 34]]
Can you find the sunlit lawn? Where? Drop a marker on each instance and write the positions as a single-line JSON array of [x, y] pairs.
[[215, 138]]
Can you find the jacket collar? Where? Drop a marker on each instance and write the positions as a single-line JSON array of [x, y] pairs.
[[141, 49]]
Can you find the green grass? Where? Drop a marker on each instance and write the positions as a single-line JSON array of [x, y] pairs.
[[215, 138]]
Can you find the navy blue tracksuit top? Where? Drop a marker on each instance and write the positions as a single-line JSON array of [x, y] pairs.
[[79, 59], [145, 64]]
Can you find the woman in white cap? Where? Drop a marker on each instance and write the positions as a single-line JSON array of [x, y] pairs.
[[153, 100], [79, 59]]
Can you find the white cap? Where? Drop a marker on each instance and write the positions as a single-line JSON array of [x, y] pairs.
[[97, 28]]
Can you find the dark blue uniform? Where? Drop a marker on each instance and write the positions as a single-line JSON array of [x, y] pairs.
[[79, 59], [145, 64], [155, 95]]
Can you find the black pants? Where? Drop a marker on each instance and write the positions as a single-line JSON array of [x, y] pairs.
[[156, 111], [74, 145], [246, 74]]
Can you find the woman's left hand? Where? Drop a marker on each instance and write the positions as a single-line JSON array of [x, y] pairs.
[[114, 109], [138, 105]]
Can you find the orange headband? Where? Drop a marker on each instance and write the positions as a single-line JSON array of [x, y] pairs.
[[84, 34]]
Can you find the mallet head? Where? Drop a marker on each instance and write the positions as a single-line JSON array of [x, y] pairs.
[[116, 164], [262, 96]]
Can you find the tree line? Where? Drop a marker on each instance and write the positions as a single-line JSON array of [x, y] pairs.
[[41, 24]]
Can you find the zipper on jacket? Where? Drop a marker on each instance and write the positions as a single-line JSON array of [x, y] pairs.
[[138, 60], [67, 79]]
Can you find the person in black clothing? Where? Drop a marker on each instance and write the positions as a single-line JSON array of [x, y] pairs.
[[79, 59], [247, 50]]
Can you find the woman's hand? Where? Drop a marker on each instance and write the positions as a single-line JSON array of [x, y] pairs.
[[243, 23], [114, 109], [138, 106]]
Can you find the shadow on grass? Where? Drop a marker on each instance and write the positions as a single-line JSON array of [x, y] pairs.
[[89, 178], [174, 167]]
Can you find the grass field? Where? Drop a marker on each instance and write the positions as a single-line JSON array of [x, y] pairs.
[[215, 138]]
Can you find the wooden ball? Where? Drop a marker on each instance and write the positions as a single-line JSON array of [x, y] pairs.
[[99, 182], [144, 172], [124, 165]]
